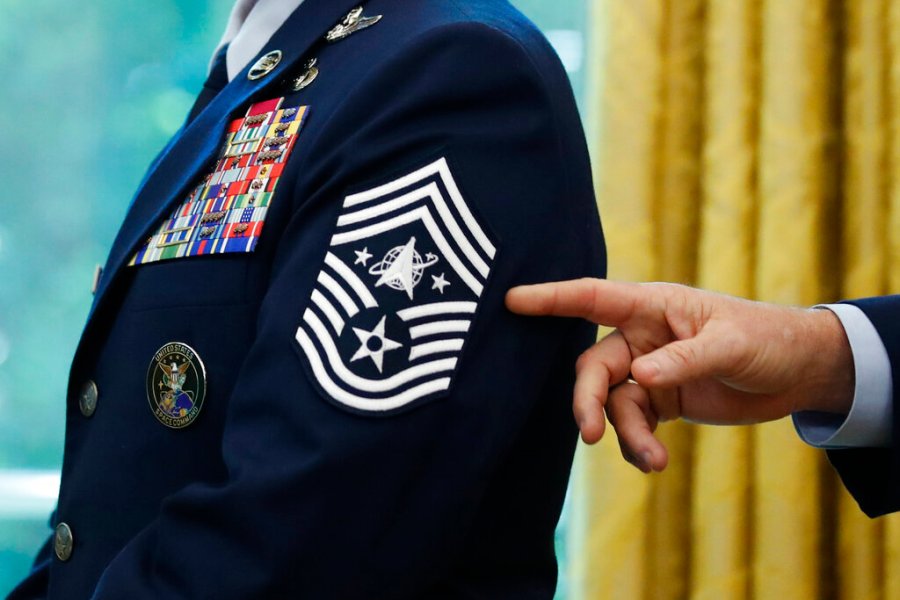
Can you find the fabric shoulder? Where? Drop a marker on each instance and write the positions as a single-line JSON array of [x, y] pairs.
[[499, 37]]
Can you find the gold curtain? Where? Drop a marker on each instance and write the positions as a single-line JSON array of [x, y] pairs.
[[745, 146]]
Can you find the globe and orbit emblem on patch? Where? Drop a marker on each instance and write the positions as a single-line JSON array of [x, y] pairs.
[[395, 299], [176, 385], [402, 267]]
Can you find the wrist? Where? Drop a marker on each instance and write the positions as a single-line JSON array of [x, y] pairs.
[[830, 380]]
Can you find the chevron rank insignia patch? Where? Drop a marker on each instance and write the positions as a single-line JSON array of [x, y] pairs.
[[226, 212], [396, 296]]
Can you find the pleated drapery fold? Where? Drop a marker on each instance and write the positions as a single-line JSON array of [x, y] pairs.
[[750, 147]]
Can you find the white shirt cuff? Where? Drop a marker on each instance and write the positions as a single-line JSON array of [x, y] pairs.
[[870, 421]]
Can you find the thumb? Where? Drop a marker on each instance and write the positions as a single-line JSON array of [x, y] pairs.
[[682, 361]]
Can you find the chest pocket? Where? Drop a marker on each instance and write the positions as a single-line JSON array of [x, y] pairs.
[[217, 281], [226, 212]]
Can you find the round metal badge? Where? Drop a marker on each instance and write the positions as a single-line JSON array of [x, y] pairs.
[[176, 385], [264, 65]]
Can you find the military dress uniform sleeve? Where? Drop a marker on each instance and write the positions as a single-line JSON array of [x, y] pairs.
[[872, 475], [349, 486]]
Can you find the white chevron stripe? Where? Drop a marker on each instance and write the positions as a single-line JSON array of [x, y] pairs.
[[352, 280], [436, 308], [439, 167], [431, 190], [391, 205], [437, 347], [438, 327], [372, 386], [342, 296], [412, 216], [352, 400], [329, 311], [392, 186], [463, 208]]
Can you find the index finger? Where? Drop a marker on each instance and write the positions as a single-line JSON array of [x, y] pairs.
[[605, 302]]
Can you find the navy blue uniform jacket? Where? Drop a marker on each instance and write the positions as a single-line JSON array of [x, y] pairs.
[[872, 475], [376, 423]]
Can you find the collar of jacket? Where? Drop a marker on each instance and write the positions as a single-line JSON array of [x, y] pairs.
[[251, 24], [194, 147]]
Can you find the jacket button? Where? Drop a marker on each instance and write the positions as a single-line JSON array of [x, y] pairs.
[[63, 542], [87, 399]]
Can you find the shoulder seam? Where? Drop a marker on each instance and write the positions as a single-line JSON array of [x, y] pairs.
[[545, 86]]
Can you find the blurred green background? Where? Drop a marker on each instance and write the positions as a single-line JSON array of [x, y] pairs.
[[91, 91]]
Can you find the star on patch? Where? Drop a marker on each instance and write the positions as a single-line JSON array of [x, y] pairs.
[[439, 283], [362, 256], [374, 344]]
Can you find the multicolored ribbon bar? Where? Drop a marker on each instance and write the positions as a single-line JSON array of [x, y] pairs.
[[226, 212]]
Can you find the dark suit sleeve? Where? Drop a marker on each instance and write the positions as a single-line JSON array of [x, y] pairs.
[[872, 475], [323, 501]]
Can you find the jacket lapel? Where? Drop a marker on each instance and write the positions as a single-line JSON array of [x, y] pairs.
[[194, 147]]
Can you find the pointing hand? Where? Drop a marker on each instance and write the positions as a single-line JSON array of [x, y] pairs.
[[680, 352]]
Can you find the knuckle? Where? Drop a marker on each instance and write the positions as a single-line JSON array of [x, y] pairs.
[[584, 359], [682, 354]]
